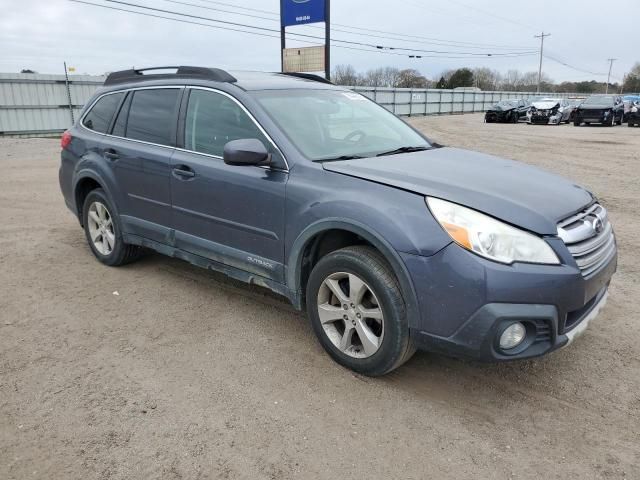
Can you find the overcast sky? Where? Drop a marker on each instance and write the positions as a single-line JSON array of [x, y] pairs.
[[41, 34]]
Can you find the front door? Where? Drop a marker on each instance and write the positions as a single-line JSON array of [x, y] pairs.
[[233, 215]]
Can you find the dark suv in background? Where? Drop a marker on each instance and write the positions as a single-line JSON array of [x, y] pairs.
[[605, 109], [389, 241]]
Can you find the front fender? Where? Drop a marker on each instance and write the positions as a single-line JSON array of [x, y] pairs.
[[294, 264]]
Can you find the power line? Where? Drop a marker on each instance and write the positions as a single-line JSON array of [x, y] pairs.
[[349, 42], [561, 62], [342, 30], [351, 27], [490, 14], [254, 33]]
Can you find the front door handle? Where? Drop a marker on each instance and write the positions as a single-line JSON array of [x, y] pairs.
[[183, 172], [111, 154]]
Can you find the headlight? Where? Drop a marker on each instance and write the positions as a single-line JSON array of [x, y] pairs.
[[489, 237]]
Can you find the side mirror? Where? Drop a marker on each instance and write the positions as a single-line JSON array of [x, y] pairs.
[[247, 151]]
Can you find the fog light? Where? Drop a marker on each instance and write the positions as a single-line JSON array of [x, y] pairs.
[[512, 336]]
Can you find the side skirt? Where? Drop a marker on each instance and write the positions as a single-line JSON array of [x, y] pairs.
[[232, 272]]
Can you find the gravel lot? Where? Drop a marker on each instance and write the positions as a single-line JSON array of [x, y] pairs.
[[186, 374]]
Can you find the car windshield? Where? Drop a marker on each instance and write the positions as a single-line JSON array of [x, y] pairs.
[[598, 100], [338, 125]]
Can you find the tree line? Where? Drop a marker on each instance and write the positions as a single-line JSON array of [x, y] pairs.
[[482, 78]]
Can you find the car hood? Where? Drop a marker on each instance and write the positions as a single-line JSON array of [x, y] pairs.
[[500, 108], [595, 106], [514, 192], [544, 105]]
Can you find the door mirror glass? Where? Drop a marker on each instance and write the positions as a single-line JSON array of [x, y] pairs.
[[248, 151]]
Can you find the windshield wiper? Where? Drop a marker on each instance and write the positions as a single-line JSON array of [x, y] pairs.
[[402, 150], [342, 157]]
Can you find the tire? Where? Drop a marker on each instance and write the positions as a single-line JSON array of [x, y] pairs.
[[104, 233], [390, 343]]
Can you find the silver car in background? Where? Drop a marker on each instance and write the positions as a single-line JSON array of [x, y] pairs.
[[550, 111]]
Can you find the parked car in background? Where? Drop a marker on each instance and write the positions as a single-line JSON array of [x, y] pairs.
[[390, 242], [549, 111], [629, 101], [507, 111], [633, 118], [605, 109]]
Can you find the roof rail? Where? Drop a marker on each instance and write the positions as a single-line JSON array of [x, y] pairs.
[[307, 76], [137, 75]]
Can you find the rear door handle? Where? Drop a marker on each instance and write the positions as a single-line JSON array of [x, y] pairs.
[[111, 154], [183, 172]]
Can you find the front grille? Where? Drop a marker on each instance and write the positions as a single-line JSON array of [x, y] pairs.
[[593, 113], [589, 237]]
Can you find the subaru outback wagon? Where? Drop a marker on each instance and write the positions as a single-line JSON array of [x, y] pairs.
[[390, 242]]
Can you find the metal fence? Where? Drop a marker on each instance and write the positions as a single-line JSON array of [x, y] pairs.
[[35, 104], [420, 102], [40, 105]]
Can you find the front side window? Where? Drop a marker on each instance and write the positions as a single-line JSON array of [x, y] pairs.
[[99, 117], [213, 120], [152, 115], [336, 124]]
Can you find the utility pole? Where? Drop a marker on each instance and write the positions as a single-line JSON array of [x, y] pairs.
[[541, 37], [610, 60]]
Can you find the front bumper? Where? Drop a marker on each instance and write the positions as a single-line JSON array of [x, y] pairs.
[[496, 117], [544, 119], [472, 300]]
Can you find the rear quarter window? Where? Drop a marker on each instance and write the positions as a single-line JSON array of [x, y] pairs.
[[99, 117]]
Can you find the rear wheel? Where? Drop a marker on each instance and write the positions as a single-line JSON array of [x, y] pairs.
[[103, 231], [357, 311]]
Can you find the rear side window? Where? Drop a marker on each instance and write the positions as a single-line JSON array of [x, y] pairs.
[[99, 117], [213, 120], [152, 115]]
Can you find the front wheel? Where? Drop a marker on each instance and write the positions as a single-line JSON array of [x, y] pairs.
[[103, 231], [357, 311]]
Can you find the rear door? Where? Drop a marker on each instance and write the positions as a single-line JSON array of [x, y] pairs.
[[139, 152], [231, 214]]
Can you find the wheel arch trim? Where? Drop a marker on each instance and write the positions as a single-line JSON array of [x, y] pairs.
[[295, 257], [91, 174]]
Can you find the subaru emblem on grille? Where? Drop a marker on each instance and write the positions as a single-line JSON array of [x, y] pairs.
[[596, 224]]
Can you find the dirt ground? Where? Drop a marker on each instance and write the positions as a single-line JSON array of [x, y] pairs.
[[185, 374]]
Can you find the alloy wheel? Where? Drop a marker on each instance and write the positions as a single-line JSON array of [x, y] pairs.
[[351, 315], [101, 230]]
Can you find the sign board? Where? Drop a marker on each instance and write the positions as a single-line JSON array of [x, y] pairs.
[[306, 59], [299, 12]]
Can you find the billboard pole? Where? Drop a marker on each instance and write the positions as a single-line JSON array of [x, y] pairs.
[[327, 40], [283, 41]]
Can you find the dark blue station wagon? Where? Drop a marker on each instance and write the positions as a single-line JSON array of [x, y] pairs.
[[390, 242]]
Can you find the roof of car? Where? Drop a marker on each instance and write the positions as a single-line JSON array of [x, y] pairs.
[[246, 80]]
